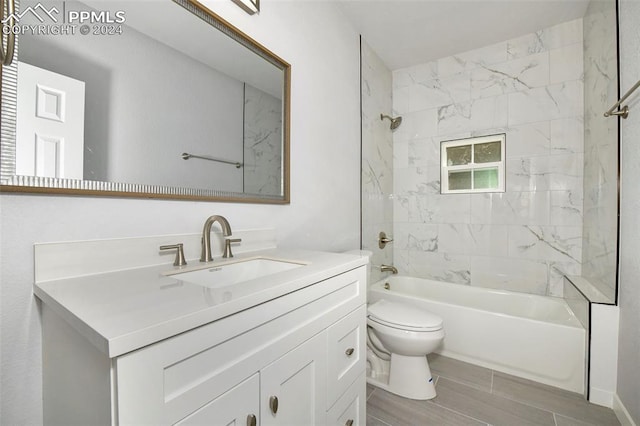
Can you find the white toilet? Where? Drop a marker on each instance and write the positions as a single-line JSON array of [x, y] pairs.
[[399, 338]]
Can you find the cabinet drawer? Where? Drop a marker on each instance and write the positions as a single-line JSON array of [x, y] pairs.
[[232, 407], [346, 353], [349, 410]]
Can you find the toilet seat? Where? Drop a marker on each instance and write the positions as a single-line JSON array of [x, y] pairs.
[[403, 317]]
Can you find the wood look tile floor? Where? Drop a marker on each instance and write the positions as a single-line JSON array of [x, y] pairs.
[[472, 395]]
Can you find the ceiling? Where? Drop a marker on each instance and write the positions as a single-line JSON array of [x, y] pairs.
[[409, 32]]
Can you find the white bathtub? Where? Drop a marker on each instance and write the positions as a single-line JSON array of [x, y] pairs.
[[529, 336]]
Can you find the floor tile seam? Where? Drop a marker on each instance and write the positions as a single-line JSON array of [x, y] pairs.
[[380, 420], [467, 384], [585, 422], [537, 407], [459, 413], [371, 394], [508, 399]]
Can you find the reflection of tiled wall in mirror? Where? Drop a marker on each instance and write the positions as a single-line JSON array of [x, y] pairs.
[[262, 142]]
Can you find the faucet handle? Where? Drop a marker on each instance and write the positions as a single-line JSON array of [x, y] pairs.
[[179, 261], [383, 240], [227, 246]]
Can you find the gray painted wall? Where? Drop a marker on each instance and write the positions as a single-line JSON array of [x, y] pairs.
[[629, 291]]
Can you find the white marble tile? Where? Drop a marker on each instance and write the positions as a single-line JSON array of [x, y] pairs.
[[433, 208], [546, 103], [438, 266], [400, 155], [522, 275], [489, 240], [523, 239], [418, 125], [566, 172], [511, 76], [548, 243], [566, 63], [546, 39], [566, 208], [416, 181], [423, 72], [401, 78], [401, 206], [511, 208], [466, 61], [439, 92], [377, 155], [567, 135], [528, 140], [477, 114], [376, 179], [425, 152], [415, 236], [400, 101], [262, 164], [528, 174], [557, 271], [376, 208]]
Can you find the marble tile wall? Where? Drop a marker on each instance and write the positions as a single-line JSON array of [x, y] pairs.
[[524, 239], [377, 158], [599, 251], [262, 142]]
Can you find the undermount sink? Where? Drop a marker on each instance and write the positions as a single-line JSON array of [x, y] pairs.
[[234, 273]]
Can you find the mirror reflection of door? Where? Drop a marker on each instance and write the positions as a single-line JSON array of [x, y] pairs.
[[50, 124]]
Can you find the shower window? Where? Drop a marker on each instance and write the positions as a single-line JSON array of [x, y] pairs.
[[473, 164]]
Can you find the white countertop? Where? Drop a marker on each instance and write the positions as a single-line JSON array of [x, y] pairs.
[[125, 310]]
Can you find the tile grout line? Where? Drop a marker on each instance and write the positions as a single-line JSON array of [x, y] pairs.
[[490, 391], [369, 397], [458, 413], [468, 384], [527, 403], [381, 421]]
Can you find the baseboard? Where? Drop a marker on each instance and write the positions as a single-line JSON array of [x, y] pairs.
[[601, 397], [621, 412]]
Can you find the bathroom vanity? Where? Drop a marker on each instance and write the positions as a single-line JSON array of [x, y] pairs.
[[149, 346]]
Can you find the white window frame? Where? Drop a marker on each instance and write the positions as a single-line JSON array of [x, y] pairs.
[[445, 168]]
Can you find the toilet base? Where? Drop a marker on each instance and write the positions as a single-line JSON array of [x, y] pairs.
[[409, 377]]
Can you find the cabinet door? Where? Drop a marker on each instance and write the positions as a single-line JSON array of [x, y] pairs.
[[234, 407], [294, 386]]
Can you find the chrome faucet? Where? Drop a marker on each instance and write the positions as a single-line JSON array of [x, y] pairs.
[[388, 268], [205, 255]]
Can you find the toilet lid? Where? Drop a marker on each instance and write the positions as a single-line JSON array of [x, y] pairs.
[[400, 315]]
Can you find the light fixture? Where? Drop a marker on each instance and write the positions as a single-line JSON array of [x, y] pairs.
[[249, 6]]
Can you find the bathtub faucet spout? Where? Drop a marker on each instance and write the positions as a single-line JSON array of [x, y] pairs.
[[388, 268]]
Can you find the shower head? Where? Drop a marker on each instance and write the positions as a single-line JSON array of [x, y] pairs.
[[395, 122]]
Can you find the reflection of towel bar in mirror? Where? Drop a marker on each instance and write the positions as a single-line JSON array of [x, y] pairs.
[[186, 156]]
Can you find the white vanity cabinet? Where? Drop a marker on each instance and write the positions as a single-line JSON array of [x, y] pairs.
[[298, 359]]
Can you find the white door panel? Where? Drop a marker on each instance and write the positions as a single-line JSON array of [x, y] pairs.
[[50, 124]]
